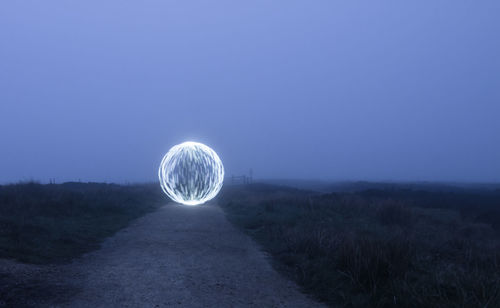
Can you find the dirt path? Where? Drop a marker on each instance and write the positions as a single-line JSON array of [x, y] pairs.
[[181, 257]]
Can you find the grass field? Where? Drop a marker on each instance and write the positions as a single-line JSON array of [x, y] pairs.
[[55, 223], [383, 247], [378, 248]]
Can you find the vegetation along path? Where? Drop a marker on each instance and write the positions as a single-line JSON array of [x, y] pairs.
[[180, 256]]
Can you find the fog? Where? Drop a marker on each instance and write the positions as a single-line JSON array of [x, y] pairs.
[[329, 90]]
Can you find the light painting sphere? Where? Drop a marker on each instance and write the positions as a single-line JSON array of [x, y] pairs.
[[191, 173]]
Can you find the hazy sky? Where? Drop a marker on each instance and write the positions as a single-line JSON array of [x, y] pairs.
[[350, 90]]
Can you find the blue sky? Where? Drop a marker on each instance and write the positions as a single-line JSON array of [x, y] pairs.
[[338, 90]]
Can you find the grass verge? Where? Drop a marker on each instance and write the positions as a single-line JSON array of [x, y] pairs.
[[54, 223], [378, 248]]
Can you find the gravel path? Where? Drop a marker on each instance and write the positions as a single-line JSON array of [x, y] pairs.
[[175, 257]]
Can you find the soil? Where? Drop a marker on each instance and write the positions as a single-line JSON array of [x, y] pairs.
[[177, 256]]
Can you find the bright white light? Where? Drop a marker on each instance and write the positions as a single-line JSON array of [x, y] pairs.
[[191, 173]]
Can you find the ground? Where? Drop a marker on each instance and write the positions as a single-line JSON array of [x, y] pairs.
[[175, 256]]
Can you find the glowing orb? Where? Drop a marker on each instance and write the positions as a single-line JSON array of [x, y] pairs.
[[191, 173]]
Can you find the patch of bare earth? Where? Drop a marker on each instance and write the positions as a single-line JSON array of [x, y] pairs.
[[176, 256]]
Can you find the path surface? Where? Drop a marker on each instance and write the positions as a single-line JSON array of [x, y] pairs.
[[180, 257]]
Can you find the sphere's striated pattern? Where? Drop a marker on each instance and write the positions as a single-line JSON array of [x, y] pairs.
[[191, 173]]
